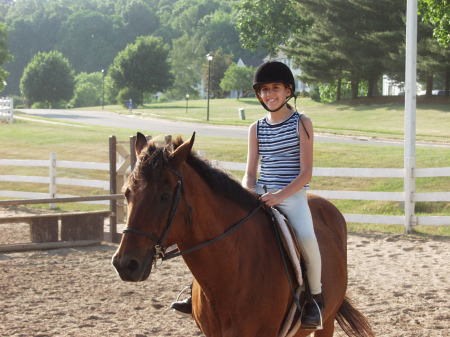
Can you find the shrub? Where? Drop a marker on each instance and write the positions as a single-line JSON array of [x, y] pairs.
[[126, 94]]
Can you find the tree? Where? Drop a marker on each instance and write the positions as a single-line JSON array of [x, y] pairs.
[[89, 40], [48, 78], [437, 13], [88, 90], [432, 60], [186, 57], [216, 70], [139, 18], [237, 78], [142, 65], [330, 40], [4, 55]]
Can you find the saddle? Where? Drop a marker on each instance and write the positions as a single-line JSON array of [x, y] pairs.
[[290, 251]]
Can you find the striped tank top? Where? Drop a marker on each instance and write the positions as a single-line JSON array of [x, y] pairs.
[[279, 151]]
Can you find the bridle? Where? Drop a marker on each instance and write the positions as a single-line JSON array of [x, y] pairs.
[[160, 250]]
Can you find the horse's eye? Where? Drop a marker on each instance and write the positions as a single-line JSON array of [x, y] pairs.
[[127, 194], [164, 197]]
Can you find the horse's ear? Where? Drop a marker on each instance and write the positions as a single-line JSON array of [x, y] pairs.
[[141, 141], [182, 152]]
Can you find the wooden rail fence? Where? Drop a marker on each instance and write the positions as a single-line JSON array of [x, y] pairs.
[[122, 159], [6, 109]]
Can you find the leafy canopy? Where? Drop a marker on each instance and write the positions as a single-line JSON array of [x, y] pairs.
[[48, 78]]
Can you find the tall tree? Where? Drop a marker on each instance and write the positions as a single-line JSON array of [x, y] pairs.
[[437, 13], [331, 39], [237, 78], [48, 78], [4, 55], [214, 71], [89, 40], [142, 65], [139, 18]]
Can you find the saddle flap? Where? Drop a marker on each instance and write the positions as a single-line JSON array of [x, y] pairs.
[[290, 243]]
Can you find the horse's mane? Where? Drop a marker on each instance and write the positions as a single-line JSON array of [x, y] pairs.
[[219, 181], [153, 159]]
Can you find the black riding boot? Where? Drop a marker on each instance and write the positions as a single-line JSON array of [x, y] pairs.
[[312, 313], [183, 307]]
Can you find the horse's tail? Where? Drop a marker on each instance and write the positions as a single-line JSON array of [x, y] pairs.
[[352, 321]]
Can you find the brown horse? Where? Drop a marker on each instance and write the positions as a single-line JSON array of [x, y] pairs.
[[240, 288]]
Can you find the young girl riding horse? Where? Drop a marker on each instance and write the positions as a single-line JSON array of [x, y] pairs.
[[283, 142]]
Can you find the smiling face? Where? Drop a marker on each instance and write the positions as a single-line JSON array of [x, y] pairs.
[[274, 94]]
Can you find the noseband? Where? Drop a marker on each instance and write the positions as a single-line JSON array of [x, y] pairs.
[[160, 250]]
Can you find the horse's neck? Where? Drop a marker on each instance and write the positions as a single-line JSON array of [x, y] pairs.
[[224, 261]]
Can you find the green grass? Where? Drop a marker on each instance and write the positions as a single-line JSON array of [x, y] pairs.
[[31, 140], [359, 118]]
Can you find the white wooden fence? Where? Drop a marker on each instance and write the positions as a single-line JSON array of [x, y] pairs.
[[6, 109], [53, 180]]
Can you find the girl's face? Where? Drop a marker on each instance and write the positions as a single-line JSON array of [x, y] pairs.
[[274, 94]]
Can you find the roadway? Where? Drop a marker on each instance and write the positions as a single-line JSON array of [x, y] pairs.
[[139, 123]]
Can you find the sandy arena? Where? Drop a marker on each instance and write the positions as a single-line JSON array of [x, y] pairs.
[[400, 283]]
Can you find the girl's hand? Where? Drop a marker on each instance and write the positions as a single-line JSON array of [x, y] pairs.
[[271, 199]]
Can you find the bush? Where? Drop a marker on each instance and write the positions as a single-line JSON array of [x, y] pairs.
[[126, 94], [86, 94], [40, 105], [315, 94], [19, 102]]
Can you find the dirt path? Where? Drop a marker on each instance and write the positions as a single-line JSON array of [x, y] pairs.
[[400, 283]]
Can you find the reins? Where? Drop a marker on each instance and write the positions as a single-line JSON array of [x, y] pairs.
[[160, 250]]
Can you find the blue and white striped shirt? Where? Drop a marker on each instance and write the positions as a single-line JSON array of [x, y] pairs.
[[279, 151]]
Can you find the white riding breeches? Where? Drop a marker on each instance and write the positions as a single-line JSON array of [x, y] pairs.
[[299, 215]]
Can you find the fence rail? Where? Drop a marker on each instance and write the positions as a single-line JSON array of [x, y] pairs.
[[6, 109], [320, 172]]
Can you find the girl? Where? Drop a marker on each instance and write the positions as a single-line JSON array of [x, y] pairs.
[[283, 141]]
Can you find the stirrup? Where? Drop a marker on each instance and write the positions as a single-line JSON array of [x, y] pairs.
[[309, 327], [172, 305]]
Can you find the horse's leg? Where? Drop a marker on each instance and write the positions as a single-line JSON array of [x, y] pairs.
[[328, 329]]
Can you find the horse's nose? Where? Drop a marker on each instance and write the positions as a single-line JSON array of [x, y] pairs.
[[126, 266]]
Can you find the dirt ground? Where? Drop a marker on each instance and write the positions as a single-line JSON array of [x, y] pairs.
[[400, 283]]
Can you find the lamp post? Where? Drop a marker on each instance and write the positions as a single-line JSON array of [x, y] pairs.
[[209, 57], [103, 88], [187, 100]]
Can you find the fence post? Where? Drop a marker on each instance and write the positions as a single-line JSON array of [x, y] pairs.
[[52, 178], [112, 188], [132, 153], [410, 112]]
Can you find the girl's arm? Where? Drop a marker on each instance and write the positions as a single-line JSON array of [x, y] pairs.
[[306, 164], [251, 170]]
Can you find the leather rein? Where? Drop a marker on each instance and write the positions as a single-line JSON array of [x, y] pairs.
[[160, 250]]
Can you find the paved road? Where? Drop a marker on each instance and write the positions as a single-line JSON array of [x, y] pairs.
[[111, 119]]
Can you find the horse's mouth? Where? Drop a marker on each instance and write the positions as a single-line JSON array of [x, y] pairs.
[[131, 269]]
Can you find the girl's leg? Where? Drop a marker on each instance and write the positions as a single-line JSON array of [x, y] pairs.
[[297, 210]]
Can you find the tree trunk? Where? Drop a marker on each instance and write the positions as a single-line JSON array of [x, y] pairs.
[[429, 84], [447, 82], [339, 90], [373, 87], [355, 85]]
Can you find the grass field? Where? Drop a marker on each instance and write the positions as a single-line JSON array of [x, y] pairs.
[[31, 140]]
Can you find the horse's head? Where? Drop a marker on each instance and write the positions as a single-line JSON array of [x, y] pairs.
[[154, 195]]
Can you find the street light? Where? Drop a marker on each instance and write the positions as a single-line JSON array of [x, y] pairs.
[[103, 88], [187, 100], [209, 57]]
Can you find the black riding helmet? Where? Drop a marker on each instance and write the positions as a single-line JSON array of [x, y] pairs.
[[273, 72]]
